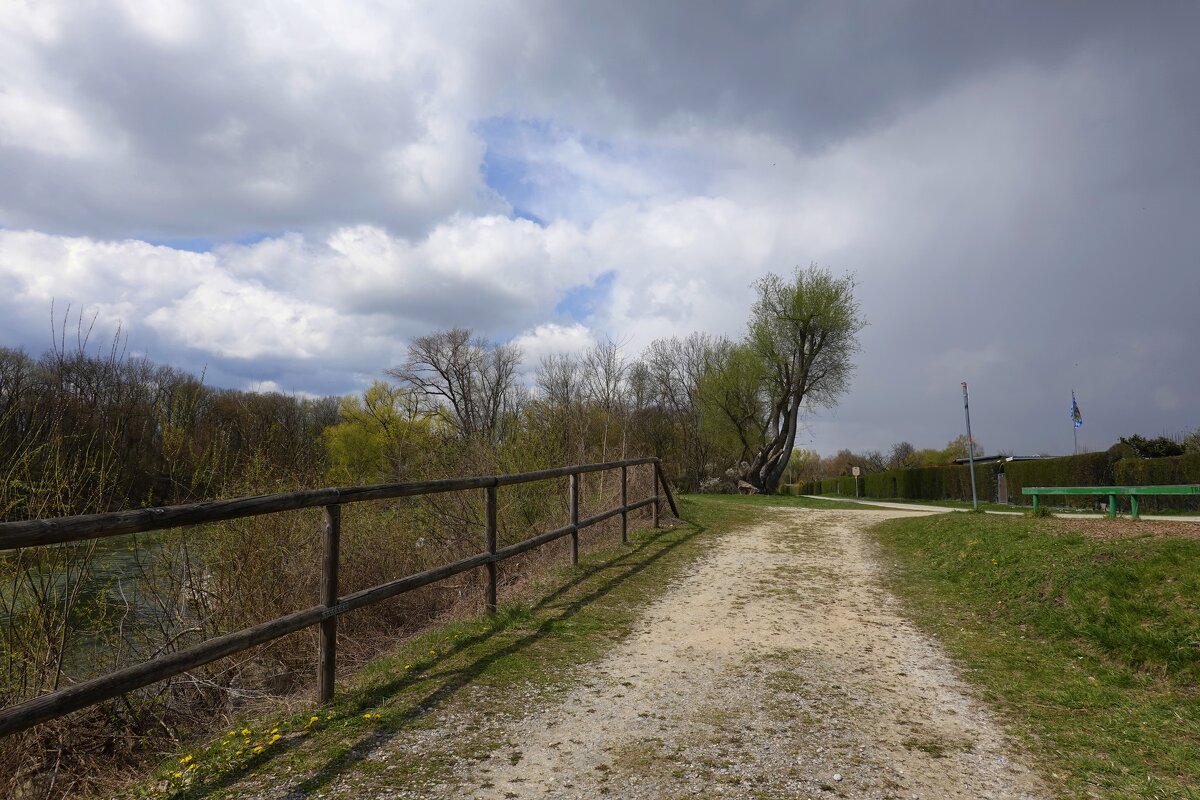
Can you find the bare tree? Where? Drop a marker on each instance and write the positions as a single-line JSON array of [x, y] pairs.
[[470, 381], [902, 456], [671, 376], [557, 378]]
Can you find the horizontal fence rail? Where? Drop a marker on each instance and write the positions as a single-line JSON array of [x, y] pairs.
[[36, 533]]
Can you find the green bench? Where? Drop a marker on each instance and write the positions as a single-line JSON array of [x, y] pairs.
[[1112, 491]]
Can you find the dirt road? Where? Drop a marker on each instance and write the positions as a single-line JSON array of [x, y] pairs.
[[779, 667]]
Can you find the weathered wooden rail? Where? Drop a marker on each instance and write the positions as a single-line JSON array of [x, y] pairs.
[[36, 533]]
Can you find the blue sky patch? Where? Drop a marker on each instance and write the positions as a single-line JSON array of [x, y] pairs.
[[192, 245], [581, 302], [202, 244]]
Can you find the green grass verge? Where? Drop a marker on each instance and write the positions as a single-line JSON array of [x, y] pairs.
[[1090, 647], [964, 505], [481, 669], [788, 501]]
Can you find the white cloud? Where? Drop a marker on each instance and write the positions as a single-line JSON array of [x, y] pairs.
[[988, 175], [550, 338]]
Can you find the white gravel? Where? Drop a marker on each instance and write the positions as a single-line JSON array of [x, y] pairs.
[[779, 667]]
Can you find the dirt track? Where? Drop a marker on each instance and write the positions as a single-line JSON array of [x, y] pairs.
[[779, 667]]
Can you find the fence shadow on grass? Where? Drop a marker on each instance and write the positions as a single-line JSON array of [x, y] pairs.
[[455, 680]]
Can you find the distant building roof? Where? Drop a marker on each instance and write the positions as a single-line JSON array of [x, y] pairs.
[[997, 459]]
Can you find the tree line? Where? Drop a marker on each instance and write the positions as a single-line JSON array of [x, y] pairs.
[[86, 429]]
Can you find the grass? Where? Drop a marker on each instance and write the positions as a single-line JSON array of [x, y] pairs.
[[963, 505], [787, 501], [489, 669], [1025, 509], [1090, 647]]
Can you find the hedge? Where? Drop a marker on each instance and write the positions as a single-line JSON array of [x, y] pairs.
[[919, 483], [1166, 471], [933, 483], [1087, 469]]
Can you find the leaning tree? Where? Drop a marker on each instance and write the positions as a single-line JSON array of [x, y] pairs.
[[797, 355]]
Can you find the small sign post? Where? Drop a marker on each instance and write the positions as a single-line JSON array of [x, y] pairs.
[[855, 471]]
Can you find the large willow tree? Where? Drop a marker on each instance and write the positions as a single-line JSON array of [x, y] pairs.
[[797, 355]]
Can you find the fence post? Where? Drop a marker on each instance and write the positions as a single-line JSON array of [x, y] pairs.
[[662, 481], [654, 505], [624, 504], [327, 658], [574, 518], [491, 548]]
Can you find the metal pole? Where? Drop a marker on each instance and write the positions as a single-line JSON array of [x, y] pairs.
[[970, 448]]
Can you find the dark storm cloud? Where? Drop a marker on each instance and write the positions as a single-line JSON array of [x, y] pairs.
[[221, 135], [810, 71], [1015, 184]]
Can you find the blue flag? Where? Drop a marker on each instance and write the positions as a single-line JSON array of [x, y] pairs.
[[1076, 417]]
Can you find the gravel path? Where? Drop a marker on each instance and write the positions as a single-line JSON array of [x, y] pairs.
[[779, 667]]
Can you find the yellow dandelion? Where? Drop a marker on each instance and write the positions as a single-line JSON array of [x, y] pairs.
[[408, 666], [178, 774], [259, 749], [274, 730], [232, 733], [192, 767], [311, 720], [186, 759], [275, 738], [245, 731]]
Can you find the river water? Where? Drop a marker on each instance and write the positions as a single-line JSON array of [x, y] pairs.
[[121, 599]]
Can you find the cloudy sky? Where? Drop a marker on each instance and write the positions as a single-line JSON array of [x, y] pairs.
[[284, 194]]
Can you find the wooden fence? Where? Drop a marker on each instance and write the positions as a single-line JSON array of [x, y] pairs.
[[36, 533]]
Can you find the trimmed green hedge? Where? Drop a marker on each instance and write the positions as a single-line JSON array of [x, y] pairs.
[[835, 486], [1087, 469], [919, 483], [1168, 471], [933, 483]]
